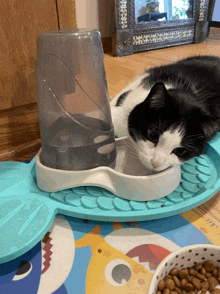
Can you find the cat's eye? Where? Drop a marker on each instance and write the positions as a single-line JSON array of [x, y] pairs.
[[179, 151], [118, 272], [153, 136]]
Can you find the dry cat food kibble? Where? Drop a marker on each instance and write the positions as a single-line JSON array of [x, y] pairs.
[[197, 279]]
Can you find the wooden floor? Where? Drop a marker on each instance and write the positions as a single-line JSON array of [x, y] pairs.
[[19, 127]]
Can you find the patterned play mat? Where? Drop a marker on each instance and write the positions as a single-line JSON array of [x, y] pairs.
[[87, 257]]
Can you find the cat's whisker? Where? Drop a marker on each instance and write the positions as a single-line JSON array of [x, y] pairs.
[[132, 148], [144, 156]]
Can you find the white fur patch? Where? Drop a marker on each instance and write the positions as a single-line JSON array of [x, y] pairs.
[[160, 157], [120, 113]]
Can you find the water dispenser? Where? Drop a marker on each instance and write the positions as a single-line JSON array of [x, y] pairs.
[[73, 103]]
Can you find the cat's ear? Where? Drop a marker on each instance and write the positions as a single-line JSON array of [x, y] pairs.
[[157, 96]]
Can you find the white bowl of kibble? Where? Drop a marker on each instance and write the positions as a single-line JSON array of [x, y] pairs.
[[192, 269]]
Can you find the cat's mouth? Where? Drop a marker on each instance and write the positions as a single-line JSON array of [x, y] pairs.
[[148, 255], [162, 168], [150, 167]]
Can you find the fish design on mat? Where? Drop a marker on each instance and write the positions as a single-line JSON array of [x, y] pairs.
[[122, 261], [111, 271]]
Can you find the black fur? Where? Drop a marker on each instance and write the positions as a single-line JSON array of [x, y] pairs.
[[193, 104], [122, 98]]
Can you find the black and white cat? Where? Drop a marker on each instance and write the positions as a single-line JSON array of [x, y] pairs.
[[170, 112]]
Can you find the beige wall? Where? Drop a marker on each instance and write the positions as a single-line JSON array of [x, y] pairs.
[[96, 14]]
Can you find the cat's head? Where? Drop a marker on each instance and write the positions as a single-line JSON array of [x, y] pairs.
[[169, 127]]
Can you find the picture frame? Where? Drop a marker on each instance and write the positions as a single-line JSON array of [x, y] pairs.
[[130, 37]]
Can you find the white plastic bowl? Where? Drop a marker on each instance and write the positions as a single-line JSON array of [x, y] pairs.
[[129, 179], [182, 258]]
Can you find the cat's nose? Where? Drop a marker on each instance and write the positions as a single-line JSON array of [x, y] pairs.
[[156, 163]]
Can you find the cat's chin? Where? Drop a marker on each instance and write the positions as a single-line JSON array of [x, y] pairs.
[[161, 168]]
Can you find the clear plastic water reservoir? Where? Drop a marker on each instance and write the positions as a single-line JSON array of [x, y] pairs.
[[73, 102]]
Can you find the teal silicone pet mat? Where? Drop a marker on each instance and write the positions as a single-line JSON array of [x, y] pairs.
[[26, 212]]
